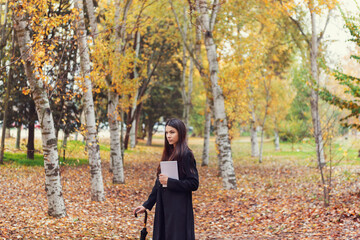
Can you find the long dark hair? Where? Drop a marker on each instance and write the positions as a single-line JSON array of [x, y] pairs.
[[178, 152]]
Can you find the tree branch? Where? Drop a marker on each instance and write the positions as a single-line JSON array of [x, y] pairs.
[[298, 25], [326, 24], [215, 10], [198, 64]]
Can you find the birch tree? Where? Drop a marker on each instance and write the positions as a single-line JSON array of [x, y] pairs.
[[253, 127], [135, 101], [313, 41], [97, 187], [205, 152], [222, 130], [196, 60], [208, 103], [120, 19], [53, 188], [187, 77]]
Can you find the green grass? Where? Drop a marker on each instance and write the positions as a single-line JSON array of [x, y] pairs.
[[303, 153], [21, 159]]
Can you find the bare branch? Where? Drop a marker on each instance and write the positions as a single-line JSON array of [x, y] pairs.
[[198, 64], [297, 23], [326, 24]]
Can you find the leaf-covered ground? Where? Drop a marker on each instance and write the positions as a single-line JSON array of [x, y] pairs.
[[277, 199]]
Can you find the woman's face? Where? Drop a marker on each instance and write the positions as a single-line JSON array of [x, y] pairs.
[[172, 135]]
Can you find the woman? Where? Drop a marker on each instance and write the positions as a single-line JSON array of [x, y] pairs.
[[174, 217]]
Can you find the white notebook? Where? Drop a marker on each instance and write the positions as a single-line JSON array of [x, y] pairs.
[[170, 169]]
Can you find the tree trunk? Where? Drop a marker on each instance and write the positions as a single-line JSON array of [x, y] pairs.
[[261, 143], [120, 31], [31, 131], [314, 100], [184, 69], [3, 30], [189, 93], [127, 133], [122, 135], [7, 132], [66, 136], [277, 140], [253, 136], [138, 123], [150, 133], [222, 130], [115, 148], [133, 130], [267, 91], [205, 154], [116, 153], [133, 133], [6, 112], [97, 187], [53, 188], [92, 18], [18, 137]]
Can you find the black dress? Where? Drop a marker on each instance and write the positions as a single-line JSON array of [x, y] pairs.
[[174, 217]]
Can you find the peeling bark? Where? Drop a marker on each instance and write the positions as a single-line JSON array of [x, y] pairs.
[[115, 147], [222, 130], [97, 187], [53, 188]]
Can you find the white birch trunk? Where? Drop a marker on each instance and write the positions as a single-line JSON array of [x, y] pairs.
[[97, 187], [53, 188], [115, 147], [133, 127], [186, 95], [120, 43], [116, 161], [189, 93], [277, 140], [136, 75], [267, 90], [206, 148], [205, 153], [92, 18], [253, 133], [18, 137], [184, 65], [314, 94], [222, 130]]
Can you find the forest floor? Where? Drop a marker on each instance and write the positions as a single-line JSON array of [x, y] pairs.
[[280, 198]]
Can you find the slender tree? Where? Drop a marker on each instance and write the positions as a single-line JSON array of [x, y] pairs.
[[313, 41], [97, 187], [222, 130], [56, 205]]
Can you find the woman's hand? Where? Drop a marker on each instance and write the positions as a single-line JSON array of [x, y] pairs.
[[163, 179], [139, 209]]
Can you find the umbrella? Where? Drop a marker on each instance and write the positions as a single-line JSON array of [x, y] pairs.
[[143, 232]]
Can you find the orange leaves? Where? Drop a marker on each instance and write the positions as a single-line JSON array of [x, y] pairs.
[[277, 200], [43, 24], [26, 91]]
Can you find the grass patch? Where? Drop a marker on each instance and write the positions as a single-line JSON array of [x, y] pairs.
[[21, 159]]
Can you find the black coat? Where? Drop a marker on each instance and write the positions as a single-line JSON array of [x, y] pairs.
[[174, 217]]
